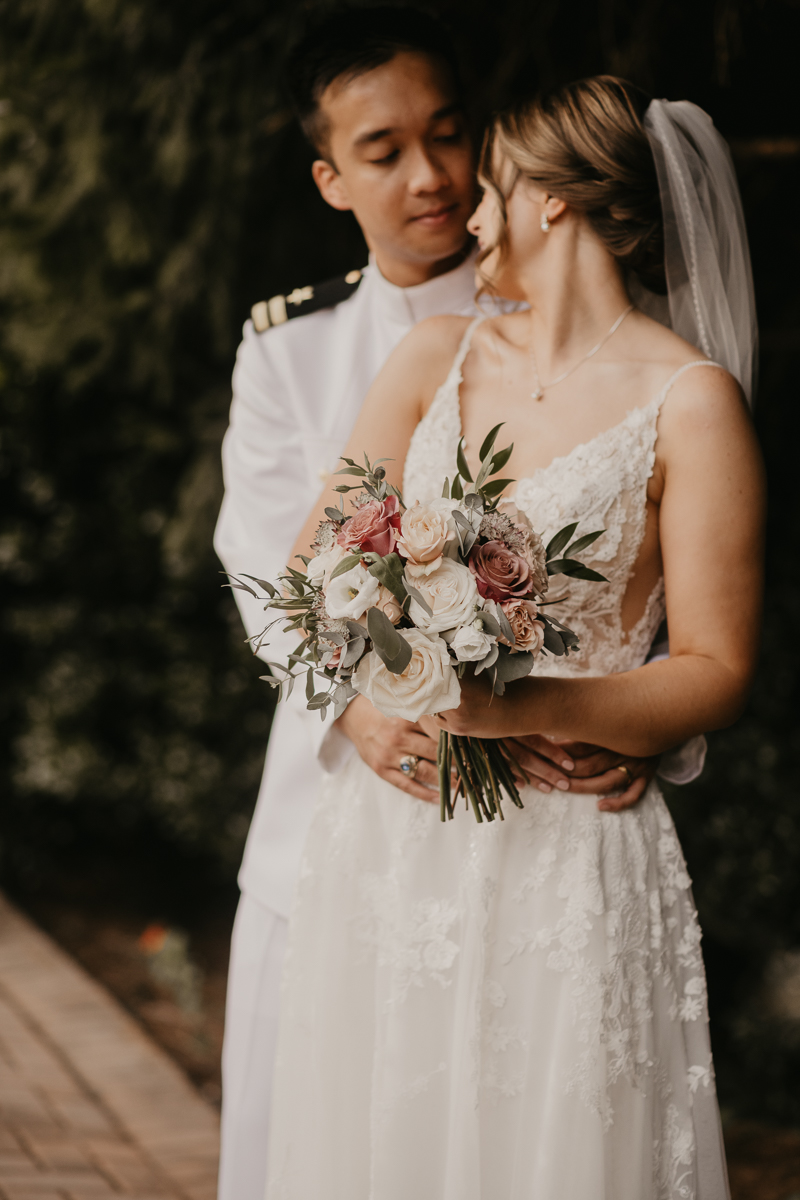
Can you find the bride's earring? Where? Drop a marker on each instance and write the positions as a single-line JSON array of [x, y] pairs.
[[544, 223]]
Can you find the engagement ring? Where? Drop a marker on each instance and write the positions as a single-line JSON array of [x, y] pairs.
[[409, 764]]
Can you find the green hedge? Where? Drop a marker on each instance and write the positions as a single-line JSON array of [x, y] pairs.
[[152, 186]]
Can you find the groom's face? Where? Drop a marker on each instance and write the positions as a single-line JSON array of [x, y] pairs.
[[398, 154]]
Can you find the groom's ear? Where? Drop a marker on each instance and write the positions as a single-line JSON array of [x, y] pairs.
[[331, 185]]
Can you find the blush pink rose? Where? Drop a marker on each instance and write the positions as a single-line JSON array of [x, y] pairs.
[[528, 632], [499, 573], [374, 527]]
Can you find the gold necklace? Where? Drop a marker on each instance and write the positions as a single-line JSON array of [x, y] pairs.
[[539, 387]]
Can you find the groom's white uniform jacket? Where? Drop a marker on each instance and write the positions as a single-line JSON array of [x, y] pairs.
[[297, 390]]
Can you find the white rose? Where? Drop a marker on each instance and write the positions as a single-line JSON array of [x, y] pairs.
[[320, 567], [428, 685], [451, 593], [351, 594], [471, 643], [424, 533]]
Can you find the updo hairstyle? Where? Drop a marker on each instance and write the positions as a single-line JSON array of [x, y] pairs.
[[586, 144]]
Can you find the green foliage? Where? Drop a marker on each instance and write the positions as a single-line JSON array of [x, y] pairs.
[[152, 187]]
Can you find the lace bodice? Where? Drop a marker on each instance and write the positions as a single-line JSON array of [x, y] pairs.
[[602, 484]]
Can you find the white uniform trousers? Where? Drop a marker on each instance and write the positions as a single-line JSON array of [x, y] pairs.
[[258, 945]]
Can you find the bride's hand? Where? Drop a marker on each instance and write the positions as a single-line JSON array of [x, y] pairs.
[[618, 780], [383, 741]]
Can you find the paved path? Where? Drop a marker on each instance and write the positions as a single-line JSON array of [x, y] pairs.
[[90, 1108]]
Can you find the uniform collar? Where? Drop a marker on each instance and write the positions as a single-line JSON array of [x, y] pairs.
[[452, 292]]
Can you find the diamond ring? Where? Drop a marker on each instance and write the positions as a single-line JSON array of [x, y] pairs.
[[409, 764]]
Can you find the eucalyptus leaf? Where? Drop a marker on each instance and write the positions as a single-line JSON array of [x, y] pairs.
[[513, 666], [310, 683], [446, 490], [557, 543], [320, 700], [582, 542], [393, 650], [474, 501], [389, 571], [264, 583], [495, 486], [489, 441], [505, 627], [242, 587], [456, 489], [575, 569], [489, 660], [417, 596], [489, 624], [335, 514], [462, 462], [553, 640], [501, 458], [346, 564], [354, 470], [352, 653], [357, 630]]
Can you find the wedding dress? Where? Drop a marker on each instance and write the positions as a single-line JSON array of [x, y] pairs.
[[506, 1011]]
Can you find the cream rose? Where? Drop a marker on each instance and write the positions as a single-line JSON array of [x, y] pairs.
[[424, 533], [472, 643], [321, 566], [351, 594], [389, 605], [451, 593], [428, 685]]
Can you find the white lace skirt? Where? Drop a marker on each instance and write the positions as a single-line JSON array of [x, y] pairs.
[[512, 1011]]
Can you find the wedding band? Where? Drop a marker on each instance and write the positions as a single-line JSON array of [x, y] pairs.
[[626, 773], [409, 764]]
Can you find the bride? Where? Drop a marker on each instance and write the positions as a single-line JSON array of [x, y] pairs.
[[517, 1011]]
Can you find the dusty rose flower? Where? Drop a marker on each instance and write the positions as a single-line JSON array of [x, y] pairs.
[[528, 632], [424, 532], [499, 573], [525, 541], [389, 605], [374, 527]]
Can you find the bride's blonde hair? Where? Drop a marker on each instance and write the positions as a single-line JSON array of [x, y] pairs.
[[586, 144]]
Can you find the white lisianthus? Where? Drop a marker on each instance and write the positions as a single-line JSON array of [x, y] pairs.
[[351, 594], [428, 685], [472, 643], [320, 567], [452, 594]]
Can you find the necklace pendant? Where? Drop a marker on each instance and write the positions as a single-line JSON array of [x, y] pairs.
[[537, 395]]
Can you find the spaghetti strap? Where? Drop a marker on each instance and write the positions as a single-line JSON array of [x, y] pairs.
[[466, 342], [698, 362]]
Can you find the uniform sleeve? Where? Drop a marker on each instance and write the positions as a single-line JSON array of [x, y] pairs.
[[267, 499]]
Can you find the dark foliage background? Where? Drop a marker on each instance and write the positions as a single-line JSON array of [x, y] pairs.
[[152, 186]]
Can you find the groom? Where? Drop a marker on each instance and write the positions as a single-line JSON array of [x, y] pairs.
[[378, 95]]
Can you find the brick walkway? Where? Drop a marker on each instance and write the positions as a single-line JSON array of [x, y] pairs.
[[90, 1108]]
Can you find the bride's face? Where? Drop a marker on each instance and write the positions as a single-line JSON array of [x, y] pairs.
[[525, 239]]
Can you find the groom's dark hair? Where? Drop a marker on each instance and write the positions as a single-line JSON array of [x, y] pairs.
[[349, 41]]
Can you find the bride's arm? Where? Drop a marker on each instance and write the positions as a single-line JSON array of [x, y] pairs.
[[400, 395], [710, 486]]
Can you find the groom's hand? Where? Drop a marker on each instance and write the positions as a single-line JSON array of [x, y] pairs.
[[620, 781], [382, 741]]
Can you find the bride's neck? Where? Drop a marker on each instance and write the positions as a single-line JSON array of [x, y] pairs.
[[575, 291]]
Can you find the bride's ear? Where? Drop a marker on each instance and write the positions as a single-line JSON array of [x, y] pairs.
[[554, 207], [331, 185]]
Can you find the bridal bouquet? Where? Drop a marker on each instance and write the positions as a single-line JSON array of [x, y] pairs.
[[398, 603]]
